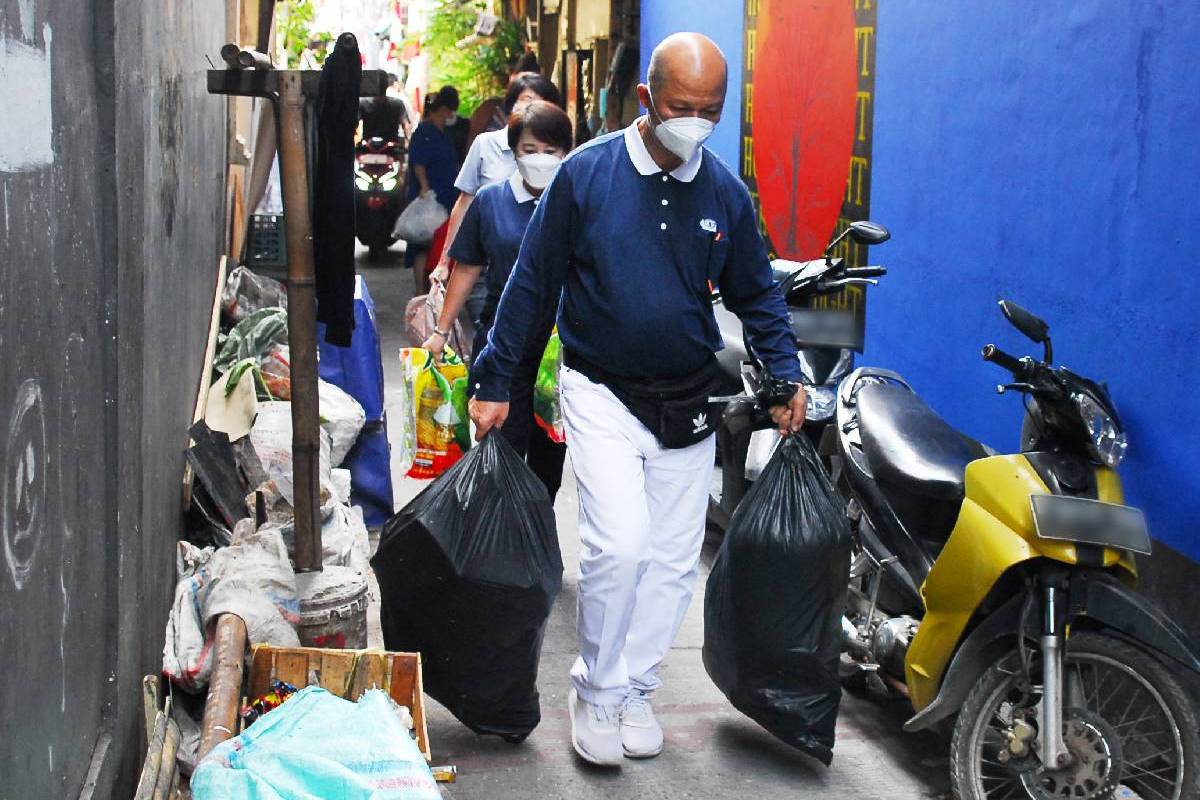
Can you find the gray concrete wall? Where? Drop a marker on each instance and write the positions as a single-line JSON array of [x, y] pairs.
[[111, 160]]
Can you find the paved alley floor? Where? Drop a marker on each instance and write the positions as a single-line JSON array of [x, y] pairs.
[[712, 751]]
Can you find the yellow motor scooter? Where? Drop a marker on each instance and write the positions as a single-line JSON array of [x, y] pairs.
[[1000, 590]]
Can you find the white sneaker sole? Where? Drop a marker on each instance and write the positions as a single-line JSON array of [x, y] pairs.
[[630, 754], [584, 754]]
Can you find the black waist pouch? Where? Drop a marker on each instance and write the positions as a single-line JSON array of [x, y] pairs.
[[676, 410]]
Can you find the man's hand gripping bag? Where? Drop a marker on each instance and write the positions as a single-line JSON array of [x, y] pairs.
[[468, 572], [775, 598]]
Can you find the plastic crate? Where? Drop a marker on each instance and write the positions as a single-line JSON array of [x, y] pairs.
[[266, 245], [346, 673]]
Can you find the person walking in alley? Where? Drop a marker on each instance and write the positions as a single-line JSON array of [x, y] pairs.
[[491, 159], [539, 135], [432, 165], [625, 243]]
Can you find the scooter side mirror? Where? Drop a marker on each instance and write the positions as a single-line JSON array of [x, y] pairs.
[[1027, 323], [866, 232]]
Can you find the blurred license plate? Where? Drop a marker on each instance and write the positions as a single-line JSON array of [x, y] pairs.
[[374, 158], [1078, 519]]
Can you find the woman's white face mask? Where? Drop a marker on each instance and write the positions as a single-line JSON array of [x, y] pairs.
[[537, 169], [682, 136]]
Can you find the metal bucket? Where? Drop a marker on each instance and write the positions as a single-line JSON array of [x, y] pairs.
[[333, 608]]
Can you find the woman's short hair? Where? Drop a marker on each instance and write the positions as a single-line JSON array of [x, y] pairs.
[[539, 84], [545, 122], [445, 97]]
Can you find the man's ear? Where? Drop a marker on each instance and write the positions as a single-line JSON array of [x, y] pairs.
[[643, 92]]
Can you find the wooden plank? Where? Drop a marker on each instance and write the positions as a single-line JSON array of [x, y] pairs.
[[405, 689], [210, 353], [369, 673], [151, 702], [265, 82], [262, 669], [168, 768], [337, 669], [291, 666], [150, 767]]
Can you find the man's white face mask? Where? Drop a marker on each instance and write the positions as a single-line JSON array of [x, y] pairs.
[[537, 169], [683, 136]]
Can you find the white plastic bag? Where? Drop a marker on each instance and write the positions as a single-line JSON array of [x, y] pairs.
[[272, 440], [252, 578], [420, 220], [343, 417]]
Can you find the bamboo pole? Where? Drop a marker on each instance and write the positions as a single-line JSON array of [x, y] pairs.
[[225, 687], [302, 322]]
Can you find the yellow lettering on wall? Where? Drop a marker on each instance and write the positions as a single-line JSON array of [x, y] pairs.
[[859, 165], [862, 5], [748, 157], [752, 8], [748, 94], [864, 103], [751, 40], [863, 38]]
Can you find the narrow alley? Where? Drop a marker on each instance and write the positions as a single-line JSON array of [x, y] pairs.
[[712, 750]]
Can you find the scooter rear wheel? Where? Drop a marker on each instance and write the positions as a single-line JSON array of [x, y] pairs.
[[1114, 687]]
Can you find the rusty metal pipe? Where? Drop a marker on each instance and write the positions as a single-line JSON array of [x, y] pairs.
[[302, 323], [225, 687]]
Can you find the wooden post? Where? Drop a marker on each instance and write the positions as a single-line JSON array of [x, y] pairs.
[[225, 686], [302, 323]]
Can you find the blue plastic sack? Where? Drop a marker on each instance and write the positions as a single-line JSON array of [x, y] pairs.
[[318, 746], [357, 369], [370, 465]]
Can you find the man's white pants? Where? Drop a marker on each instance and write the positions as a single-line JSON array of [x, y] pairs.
[[641, 521]]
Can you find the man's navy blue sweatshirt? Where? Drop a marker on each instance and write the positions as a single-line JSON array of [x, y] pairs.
[[627, 252]]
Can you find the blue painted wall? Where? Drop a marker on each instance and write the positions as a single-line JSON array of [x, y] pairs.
[[1047, 152], [720, 20]]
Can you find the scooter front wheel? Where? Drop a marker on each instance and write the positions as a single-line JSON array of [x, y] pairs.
[[1129, 724]]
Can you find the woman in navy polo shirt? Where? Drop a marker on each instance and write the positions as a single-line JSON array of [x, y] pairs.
[[432, 162], [490, 238]]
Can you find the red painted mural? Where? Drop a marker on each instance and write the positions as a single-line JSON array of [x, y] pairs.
[[808, 84], [803, 117]]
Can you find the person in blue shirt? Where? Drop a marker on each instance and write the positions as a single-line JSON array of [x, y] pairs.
[[432, 162], [488, 240], [491, 159], [625, 243]]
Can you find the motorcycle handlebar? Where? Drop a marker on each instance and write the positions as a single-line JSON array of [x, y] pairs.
[[1000, 358], [864, 272]]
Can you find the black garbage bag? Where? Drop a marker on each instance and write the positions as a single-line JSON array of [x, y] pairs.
[[775, 598], [468, 572]]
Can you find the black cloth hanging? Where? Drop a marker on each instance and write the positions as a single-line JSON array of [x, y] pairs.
[[333, 189]]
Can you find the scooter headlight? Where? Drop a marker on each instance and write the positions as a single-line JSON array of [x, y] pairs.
[[362, 183], [388, 182], [1108, 440], [822, 402]]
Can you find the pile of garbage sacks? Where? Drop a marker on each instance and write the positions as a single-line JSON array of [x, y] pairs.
[[239, 542]]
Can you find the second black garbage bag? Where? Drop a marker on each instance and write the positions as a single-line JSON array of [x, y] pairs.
[[468, 572], [775, 598]]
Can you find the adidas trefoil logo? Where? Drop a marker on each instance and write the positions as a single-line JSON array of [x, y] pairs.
[[701, 422]]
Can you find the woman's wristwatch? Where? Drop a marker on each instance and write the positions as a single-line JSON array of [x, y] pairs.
[[443, 334]]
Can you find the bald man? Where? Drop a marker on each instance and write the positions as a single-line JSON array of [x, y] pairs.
[[623, 246]]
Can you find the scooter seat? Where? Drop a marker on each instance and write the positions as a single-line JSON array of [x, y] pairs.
[[909, 447]]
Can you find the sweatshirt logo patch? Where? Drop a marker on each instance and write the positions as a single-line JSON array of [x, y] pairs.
[[709, 225], [701, 422]]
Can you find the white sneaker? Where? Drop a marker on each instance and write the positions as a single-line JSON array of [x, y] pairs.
[[594, 731], [641, 735]]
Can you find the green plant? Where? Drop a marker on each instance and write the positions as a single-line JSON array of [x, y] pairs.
[[293, 32], [478, 70]]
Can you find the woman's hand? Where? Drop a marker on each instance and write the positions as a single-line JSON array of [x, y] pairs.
[[435, 344], [441, 273]]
